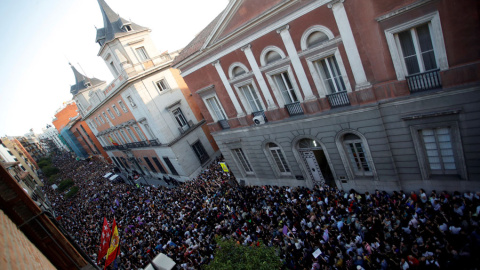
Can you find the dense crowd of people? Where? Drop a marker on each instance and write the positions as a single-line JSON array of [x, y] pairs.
[[319, 228]]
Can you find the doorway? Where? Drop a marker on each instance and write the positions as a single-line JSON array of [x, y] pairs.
[[316, 162]]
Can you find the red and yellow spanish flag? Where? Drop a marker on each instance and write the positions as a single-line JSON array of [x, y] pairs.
[[114, 248], [111, 140]]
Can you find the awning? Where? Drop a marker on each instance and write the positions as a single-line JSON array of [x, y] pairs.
[[113, 177], [107, 175]]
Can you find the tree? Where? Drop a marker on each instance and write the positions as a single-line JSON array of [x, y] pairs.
[[233, 256], [49, 171]]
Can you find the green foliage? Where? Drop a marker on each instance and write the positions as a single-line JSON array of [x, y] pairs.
[[44, 162], [65, 184], [72, 192], [232, 256], [49, 171], [53, 179]]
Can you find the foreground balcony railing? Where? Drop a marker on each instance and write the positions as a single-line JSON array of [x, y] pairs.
[[154, 142], [224, 124], [424, 81], [338, 99], [294, 108]]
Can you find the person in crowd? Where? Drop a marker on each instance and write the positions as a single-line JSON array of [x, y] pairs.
[[352, 230]]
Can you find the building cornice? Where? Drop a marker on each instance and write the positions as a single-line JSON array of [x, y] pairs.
[[402, 10]]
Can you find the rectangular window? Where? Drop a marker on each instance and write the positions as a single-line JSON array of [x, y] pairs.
[[330, 73], [149, 131], [162, 85], [124, 108], [125, 136], [105, 115], [243, 160], [142, 54], [417, 49], [140, 133], [125, 162], [252, 97], [285, 86], [215, 108], [96, 121], [23, 168], [119, 138], [114, 69], [10, 152], [150, 165], [439, 151], [116, 110], [357, 157], [181, 120], [200, 152], [110, 113], [134, 138], [159, 166], [130, 99], [279, 160], [170, 165], [101, 119]]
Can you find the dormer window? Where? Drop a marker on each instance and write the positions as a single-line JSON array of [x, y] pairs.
[[127, 28], [88, 84]]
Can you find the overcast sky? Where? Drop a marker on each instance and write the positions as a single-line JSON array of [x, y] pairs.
[[40, 37]]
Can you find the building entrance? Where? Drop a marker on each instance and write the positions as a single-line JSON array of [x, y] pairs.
[[316, 162]]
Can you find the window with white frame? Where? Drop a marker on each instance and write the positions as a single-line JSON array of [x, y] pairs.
[[132, 103], [180, 118], [142, 54], [356, 154], [279, 159], [240, 156], [101, 119], [330, 73], [116, 110], [119, 137], [417, 49], [417, 46], [215, 108], [127, 139], [251, 97], [105, 115], [140, 133], [130, 132], [272, 56], [110, 113], [162, 85], [114, 69], [150, 133], [124, 108], [285, 86]]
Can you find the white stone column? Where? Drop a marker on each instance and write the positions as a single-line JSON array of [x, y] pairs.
[[349, 42], [258, 75], [297, 65], [230, 92]]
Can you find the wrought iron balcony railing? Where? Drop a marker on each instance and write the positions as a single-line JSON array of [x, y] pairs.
[[154, 142], [224, 124], [294, 108], [338, 99], [424, 81]]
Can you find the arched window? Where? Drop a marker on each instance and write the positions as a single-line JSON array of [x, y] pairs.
[[237, 71], [272, 56], [316, 38], [279, 159], [357, 155]]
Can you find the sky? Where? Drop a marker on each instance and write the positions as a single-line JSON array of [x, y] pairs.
[[40, 38]]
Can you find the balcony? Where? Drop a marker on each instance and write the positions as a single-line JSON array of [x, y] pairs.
[[154, 142], [294, 109], [224, 124], [338, 99], [424, 81], [137, 144]]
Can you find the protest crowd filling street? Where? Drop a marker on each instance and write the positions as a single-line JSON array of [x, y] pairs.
[[377, 230]]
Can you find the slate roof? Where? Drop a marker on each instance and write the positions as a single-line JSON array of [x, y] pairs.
[[81, 80], [112, 25]]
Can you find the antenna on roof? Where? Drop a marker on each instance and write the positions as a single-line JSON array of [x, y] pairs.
[[84, 74]]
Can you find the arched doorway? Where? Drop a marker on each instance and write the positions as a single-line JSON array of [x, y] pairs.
[[316, 162]]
